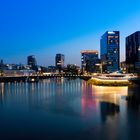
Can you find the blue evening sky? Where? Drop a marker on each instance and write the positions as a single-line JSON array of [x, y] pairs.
[[47, 27]]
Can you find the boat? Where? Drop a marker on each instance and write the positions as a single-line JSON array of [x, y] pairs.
[[116, 76], [113, 79]]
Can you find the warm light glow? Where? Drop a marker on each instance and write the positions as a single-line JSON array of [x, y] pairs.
[[109, 94], [111, 80], [89, 52]]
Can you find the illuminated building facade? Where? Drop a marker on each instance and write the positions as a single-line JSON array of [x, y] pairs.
[[133, 52], [110, 51], [59, 61], [88, 60]]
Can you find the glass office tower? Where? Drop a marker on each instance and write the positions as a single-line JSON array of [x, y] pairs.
[[59, 61], [31, 61], [133, 52], [88, 60], [110, 51]]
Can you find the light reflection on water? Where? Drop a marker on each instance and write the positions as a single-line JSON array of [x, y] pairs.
[[68, 109], [109, 94]]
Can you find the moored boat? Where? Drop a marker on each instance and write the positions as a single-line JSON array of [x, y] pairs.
[[113, 79], [116, 76]]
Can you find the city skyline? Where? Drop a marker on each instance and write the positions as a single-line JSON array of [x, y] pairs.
[[46, 28]]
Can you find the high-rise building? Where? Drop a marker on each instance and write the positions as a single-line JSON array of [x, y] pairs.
[[133, 52], [1, 64], [59, 61], [88, 60], [31, 61], [110, 51]]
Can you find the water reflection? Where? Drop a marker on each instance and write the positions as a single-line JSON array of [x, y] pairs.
[[102, 102], [58, 91], [133, 98], [1, 93], [109, 94], [108, 109], [60, 108]]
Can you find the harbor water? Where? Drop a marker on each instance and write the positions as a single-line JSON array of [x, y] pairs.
[[68, 109]]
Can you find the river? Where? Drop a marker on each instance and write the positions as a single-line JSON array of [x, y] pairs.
[[68, 109]]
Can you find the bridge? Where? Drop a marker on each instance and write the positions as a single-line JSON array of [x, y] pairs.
[[23, 78]]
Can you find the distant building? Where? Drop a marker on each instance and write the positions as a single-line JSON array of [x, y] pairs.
[[72, 69], [110, 51], [12, 66], [59, 61], [1, 61], [51, 69], [88, 60], [31, 61], [1, 64], [133, 52]]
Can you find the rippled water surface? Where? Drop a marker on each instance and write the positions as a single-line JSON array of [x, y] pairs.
[[68, 109]]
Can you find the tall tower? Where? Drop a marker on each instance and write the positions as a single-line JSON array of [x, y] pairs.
[[59, 61], [88, 60], [133, 52], [31, 61], [110, 51]]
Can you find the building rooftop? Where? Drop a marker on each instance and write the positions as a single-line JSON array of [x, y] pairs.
[[89, 52]]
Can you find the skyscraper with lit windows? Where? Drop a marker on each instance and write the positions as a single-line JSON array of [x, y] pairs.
[[31, 61], [88, 60], [110, 51], [133, 52], [59, 61]]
